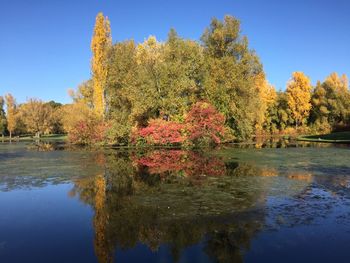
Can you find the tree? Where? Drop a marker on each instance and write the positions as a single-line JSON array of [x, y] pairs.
[[101, 42], [331, 101], [3, 121], [231, 70], [268, 98], [11, 113], [299, 97], [37, 116], [121, 89]]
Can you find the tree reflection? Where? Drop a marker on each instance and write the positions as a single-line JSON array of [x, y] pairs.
[[177, 198]]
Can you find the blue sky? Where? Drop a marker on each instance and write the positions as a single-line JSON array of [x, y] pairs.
[[45, 45]]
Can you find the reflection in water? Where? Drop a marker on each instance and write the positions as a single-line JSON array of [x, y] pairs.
[[177, 198], [217, 204]]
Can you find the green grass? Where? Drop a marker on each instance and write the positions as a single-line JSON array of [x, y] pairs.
[[337, 137]]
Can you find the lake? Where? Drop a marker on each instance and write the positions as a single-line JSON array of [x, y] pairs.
[[255, 203]]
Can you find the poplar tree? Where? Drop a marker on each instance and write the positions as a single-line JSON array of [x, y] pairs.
[[3, 121], [101, 42], [11, 113], [299, 97]]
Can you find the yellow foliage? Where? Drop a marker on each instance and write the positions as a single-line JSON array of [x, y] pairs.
[[101, 42], [267, 95], [299, 97]]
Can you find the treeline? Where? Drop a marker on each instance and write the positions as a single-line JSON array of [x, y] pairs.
[[184, 91]]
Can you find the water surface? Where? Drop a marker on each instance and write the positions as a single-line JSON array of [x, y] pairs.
[[227, 205]]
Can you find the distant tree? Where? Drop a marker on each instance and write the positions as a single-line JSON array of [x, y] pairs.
[[37, 116], [11, 113], [3, 121], [299, 97], [101, 42]]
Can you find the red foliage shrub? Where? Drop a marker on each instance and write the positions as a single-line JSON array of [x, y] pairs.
[[160, 132], [205, 124]]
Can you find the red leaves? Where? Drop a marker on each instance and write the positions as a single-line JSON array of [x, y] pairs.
[[160, 132], [203, 124]]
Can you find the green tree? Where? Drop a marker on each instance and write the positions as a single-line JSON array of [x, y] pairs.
[[121, 89], [331, 101], [231, 70], [3, 121], [11, 113]]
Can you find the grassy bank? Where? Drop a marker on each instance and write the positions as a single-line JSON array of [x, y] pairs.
[[337, 137], [50, 137]]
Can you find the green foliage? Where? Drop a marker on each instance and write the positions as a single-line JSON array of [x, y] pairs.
[[331, 102], [3, 121], [231, 69]]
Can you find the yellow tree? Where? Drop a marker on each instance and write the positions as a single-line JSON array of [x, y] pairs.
[[267, 95], [299, 97], [101, 42], [11, 113], [37, 116]]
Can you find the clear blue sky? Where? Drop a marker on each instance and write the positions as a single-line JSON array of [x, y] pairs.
[[45, 44]]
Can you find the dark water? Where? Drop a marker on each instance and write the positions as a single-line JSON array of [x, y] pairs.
[[229, 205]]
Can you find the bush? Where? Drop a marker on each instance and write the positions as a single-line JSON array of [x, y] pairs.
[[88, 132], [206, 126], [160, 132]]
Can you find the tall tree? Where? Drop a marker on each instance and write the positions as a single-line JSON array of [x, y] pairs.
[[267, 100], [101, 42], [11, 113], [299, 97], [3, 121], [231, 69]]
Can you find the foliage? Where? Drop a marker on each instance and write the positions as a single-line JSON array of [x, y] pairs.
[[205, 124], [101, 42], [160, 132], [11, 113], [88, 132], [37, 116], [331, 102], [3, 121], [299, 97], [230, 72]]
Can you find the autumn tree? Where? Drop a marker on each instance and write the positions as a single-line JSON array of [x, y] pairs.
[[267, 101], [331, 102], [84, 93], [11, 113], [37, 116], [231, 69], [101, 42], [3, 121], [299, 97]]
